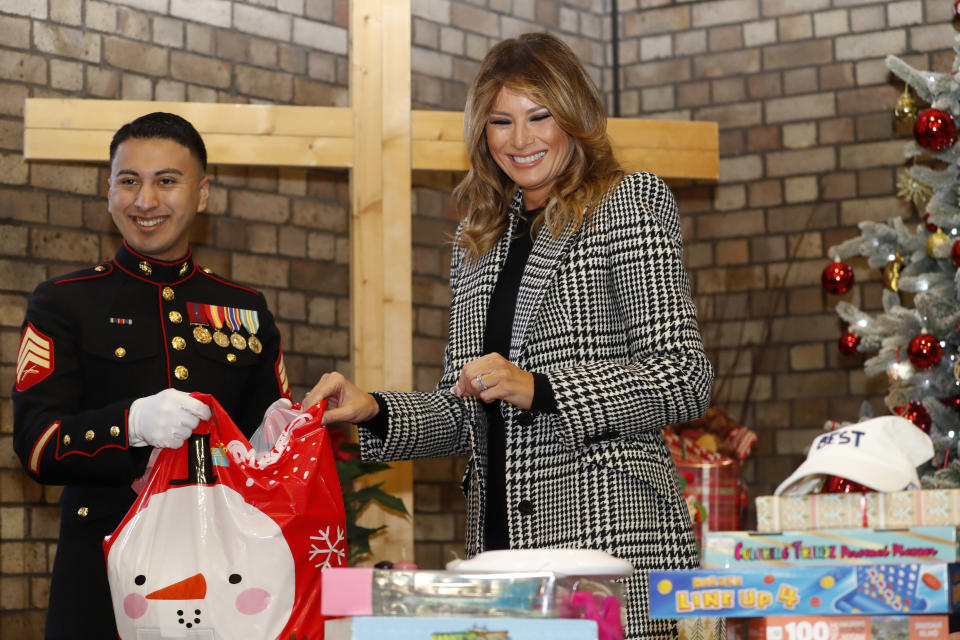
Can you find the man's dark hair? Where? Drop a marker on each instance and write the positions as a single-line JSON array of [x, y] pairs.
[[162, 125]]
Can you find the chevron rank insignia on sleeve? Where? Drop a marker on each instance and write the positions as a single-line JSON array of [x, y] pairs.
[[35, 358]]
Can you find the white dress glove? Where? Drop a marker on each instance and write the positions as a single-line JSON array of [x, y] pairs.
[[164, 419]]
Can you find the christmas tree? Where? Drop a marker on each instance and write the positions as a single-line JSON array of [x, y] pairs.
[[915, 339]]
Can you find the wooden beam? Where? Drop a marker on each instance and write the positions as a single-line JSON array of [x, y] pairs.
[[274, 135], [381, 299]]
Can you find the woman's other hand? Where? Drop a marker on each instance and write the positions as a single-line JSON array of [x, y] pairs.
[[493, 377], [346, 402]]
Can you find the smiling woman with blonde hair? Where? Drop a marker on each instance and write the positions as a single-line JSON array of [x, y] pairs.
[[573, 337], [545, 70]]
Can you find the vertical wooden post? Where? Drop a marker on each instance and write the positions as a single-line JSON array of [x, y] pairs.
[[380, 262]]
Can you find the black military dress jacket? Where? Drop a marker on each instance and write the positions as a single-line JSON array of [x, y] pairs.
[[95, 340]]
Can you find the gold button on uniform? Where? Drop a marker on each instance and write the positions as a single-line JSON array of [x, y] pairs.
[[89, 435], [167, 294], [66, 440], [175, 317], [114, 431], [82, 512], [181, 372], [231, 357], [178, 343], [119, 352]]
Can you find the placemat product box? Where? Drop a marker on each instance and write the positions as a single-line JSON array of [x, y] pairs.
[[878, 510], [402, 628], [747, 592], [360, 591], [923, 627], [730, 549]]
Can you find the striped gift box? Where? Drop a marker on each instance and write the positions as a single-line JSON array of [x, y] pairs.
[[893, 510]]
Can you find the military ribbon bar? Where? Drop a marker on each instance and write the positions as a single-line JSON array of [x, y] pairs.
[[214, 313], [194, 313], [233, 317], [250, 320]]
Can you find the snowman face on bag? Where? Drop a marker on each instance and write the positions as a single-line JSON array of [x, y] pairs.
[[199, 561]]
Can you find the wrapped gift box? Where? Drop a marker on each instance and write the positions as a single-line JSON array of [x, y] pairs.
[[716, 486], [899, 509], [841, 628], [713, 480], [750, 592], [731, 549]]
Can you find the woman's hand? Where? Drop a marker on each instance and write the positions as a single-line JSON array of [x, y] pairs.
[[346, 402], [493, 377]]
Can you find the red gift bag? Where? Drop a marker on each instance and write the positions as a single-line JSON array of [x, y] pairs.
[[227, 542]]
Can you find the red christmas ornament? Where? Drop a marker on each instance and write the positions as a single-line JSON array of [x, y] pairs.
[[934, 130], [924, 351], [956, 9], [837, 278], [932, 228], [836, 484], [917, 414], [953, 403], [850, 341], [955, 250]]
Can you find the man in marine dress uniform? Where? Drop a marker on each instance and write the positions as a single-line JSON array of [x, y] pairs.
[[109, 354]]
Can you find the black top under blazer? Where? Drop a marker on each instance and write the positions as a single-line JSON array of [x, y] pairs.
[[606, 314]]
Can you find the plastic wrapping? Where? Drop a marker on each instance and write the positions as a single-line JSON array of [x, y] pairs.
[[526, 594], [226, 541]]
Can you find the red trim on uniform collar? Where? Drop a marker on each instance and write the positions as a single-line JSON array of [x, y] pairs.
[[156, 272]]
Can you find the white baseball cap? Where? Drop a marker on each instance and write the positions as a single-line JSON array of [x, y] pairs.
[[881, 453]]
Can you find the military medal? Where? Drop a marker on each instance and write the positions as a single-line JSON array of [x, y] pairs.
[[201, 334], [197, 318], [238, 341], [214, 313], [233, 319], [250, 320], [221, 338]]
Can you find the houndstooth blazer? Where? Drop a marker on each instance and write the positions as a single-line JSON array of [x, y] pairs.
[[606, 314]]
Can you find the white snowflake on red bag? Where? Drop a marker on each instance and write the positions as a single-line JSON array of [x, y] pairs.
[[332, 549]]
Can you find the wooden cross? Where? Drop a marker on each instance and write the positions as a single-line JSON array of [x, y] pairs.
[[381, 140]]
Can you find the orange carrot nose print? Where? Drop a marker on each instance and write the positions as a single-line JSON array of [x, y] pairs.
[[192, 588]]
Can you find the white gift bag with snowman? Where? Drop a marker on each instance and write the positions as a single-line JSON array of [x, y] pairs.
[[227, 542]]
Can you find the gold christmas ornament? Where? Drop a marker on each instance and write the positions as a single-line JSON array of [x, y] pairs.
[[891, 273], [936, 238], [912, 190], [906, 108]]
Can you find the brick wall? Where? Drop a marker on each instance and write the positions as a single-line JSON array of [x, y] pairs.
[[807, 150]]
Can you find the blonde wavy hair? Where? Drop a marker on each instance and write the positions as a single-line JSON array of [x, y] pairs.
[[545, 70]]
